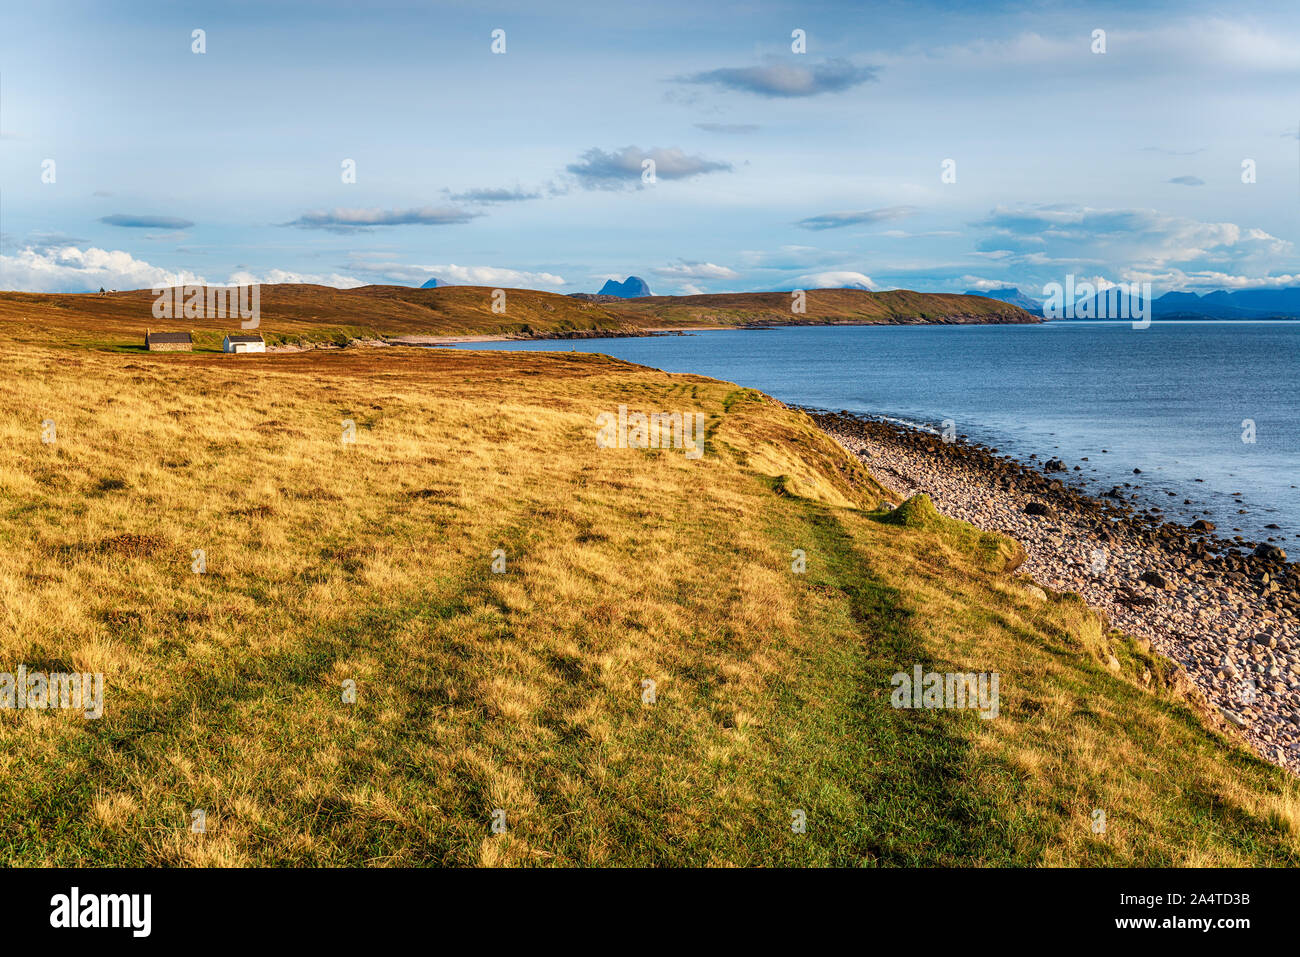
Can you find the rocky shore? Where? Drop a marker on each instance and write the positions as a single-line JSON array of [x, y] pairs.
[[1227, 612]]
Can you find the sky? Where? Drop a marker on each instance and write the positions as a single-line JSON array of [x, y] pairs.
[[938, 147]]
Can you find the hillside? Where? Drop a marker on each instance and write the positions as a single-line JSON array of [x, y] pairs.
[[307, 313], [292, 312], [521, 695], [823, 306]]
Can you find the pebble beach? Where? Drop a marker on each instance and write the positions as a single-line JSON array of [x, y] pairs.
[[1227, 612]]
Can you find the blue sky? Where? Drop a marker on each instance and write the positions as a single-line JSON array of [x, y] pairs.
[[775, 170]]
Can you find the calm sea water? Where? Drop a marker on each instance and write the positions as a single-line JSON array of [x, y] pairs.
[[1170, 399]]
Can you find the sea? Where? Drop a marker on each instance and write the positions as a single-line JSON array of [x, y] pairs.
[[1208, 411]]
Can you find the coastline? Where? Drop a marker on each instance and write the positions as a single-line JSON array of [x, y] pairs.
[[423, 341], [439, 341], [1229, 619]]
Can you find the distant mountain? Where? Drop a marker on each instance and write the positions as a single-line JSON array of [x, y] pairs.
[[1221, 304], [1012, 295], [1218, 305], [1277, 302], [1113, 303], [433, 284], [1176, 302], [631, 288]]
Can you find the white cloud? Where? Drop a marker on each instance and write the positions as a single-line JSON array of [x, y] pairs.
[[695, 270], [1137, 238], [455, 275], [790, 258], [983, 285], [337, 280], [494, 276], [1207, 280], [836, 280], [69, 269]]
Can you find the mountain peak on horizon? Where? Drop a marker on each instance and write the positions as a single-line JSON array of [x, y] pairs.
[[433, 283], [1011, 295], [634, 287], [1272, 303]]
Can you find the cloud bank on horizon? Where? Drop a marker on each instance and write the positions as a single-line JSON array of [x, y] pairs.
[[915, 147]]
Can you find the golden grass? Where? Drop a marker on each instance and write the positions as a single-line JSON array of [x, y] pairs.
[[522, 691], [820, 306], [301, 313]]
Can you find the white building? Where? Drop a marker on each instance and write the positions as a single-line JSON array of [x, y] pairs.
[[244, 343]]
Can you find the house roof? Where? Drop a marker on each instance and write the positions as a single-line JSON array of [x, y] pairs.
[[256, 337], [167, 337]]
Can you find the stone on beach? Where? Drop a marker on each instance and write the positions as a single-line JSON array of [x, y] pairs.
[[1154, 579]]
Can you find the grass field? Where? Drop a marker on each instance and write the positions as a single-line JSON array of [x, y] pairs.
[[522, 691], [898, 306], [303, 313]]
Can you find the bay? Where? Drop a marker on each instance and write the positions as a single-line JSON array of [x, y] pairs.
[[1182, 401]]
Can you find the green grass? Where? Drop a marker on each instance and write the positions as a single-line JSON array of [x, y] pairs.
[[522, 691]]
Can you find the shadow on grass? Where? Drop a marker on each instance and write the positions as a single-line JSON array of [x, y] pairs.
[[914, 801]]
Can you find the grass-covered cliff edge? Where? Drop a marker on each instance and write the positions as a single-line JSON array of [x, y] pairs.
[[523, 691]]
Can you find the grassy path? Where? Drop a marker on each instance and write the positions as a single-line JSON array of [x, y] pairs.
[[523, 691]]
